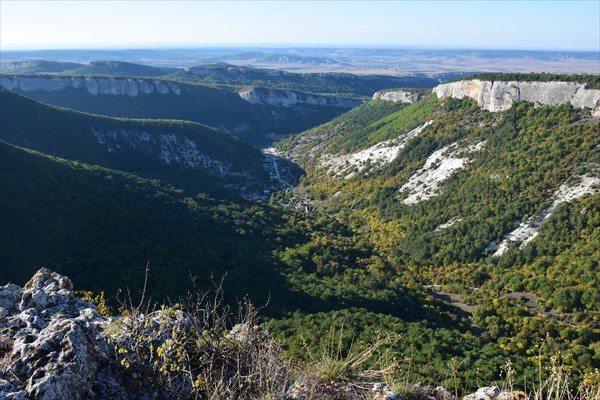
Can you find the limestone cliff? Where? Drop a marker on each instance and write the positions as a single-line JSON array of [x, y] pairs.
[[402, 96], [287, 99], [166, 148], [93, 85], [499, 95]]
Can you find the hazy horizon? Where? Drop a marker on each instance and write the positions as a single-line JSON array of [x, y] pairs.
[[436, 25], [275, 46]]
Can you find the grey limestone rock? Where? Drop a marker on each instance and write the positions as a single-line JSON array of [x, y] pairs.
[[279, 98], [401, 96], [499, 96], [10, 391], [145, 87], [52, 344], [381, 391], [161, 87], [9, 296], [494, 393], [484, 393], [94, 86]]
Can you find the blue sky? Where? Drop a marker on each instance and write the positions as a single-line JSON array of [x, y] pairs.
[[564, 25]]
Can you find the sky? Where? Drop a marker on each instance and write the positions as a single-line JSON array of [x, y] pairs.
[[533, 25]]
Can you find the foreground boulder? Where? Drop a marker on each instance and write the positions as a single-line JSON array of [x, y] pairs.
[[52, 344]]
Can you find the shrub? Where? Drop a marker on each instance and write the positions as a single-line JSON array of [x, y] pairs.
[[194, 349]]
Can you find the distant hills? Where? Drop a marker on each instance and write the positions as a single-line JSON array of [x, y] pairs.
[[166, 99], [110, 68], [257, 105], [120, 68], [332, 83], [37, 66], [358, 60], [233, 76]]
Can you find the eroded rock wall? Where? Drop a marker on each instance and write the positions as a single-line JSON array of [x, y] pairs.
[[401, 96], [499, 95], [288, 99], [94, 86]]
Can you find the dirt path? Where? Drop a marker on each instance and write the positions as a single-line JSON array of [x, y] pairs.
[[463, 310], [455, 299], [531, 301]]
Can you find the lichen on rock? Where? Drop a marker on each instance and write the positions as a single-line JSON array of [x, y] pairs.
[[53, 343]]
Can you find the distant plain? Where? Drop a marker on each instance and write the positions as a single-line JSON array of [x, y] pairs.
[[350, 60]]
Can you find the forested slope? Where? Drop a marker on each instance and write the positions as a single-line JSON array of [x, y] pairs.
[[499, 210], [153, 147]]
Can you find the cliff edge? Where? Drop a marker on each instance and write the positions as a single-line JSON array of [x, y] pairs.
[[280, 98], [500, 95], [94, 86]]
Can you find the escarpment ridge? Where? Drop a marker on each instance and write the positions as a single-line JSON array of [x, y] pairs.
[[289, 98], [500, 95], [93, 85]]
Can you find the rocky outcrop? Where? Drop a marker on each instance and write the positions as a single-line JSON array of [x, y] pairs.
[[382, 391], [499, 96], [380, 154], [494, 393], [439, 166], [92, 85], [288, 99], [165, 148], [528, 228], [53, 345], [401, 96]]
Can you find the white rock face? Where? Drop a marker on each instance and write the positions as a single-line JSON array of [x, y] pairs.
[[382, 153], [448, 224], [402, 96], [288, 99], [528, 230], [94, 86], [424, 184], [484, 393], [166, 147], [499, 96]]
